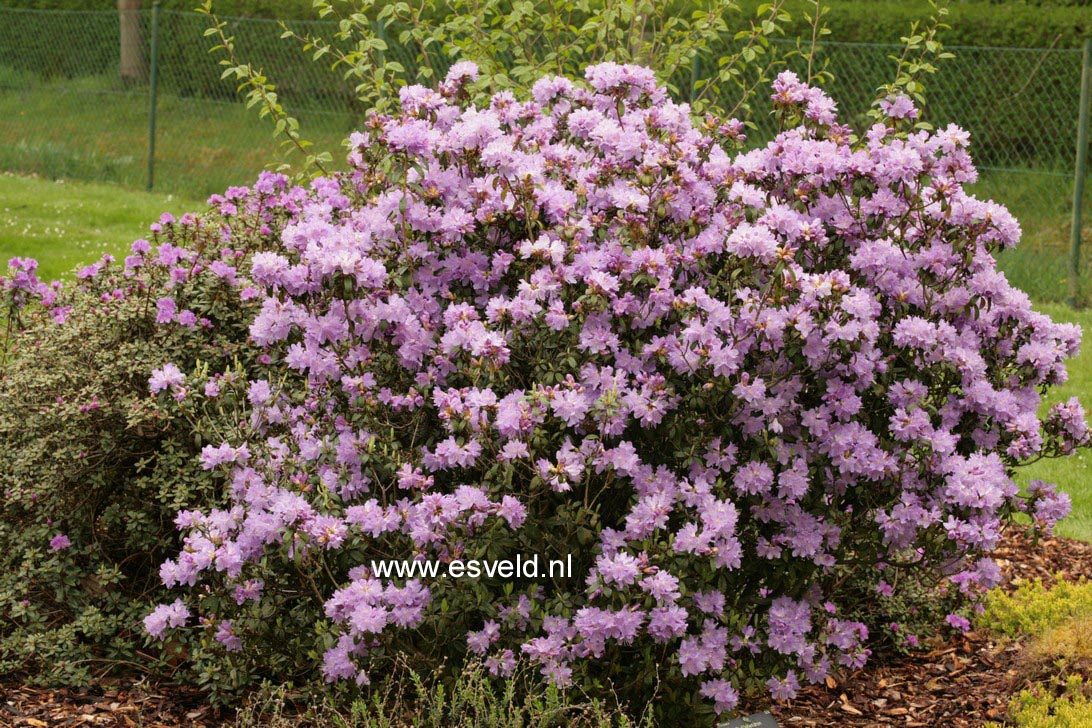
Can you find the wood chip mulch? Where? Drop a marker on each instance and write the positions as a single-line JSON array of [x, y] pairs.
[[126, 705], [958, 682]]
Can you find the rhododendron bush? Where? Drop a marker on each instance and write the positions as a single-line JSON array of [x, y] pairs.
[[580, 324]]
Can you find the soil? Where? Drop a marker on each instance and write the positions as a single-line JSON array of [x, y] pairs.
[[957, 682]]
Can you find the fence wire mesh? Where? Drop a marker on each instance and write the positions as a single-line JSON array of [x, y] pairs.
[[66, 111]]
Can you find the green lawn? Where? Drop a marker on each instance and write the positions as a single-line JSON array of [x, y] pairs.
[[64, 224], [89, 129]]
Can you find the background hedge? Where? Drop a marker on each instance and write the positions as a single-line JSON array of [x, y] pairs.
[[1032, 24]]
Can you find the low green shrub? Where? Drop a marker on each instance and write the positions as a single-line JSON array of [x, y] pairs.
[[900, 609], [1041, 707], [1056, 623], [472, 698], [1034, 608], [94, 470], [1004, 25], [244, 8]]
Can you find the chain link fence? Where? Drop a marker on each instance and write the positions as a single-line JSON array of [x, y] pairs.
[[71, 106], [67, 110]]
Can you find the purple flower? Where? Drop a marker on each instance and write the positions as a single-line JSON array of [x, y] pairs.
[[59, 542], [959, 622], [720, 691], [501, 665], [785, 688], [166, 616], [480, 641], [1049, 504], [226, 636], [789, 622], [168, 376], [187, 319], [899, 107], [665, 623], [165, 310], [512, 511]]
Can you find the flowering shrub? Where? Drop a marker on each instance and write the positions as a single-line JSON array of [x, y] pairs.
[[577, 324], [93, 470]]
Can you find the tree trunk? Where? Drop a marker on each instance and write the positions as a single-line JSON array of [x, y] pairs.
[[134, 68]]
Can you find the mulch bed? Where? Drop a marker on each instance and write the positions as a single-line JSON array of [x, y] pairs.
[[128, 705], [960, 682]]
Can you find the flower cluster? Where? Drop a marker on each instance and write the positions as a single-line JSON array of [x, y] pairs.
[[22, 286], [578, 324]]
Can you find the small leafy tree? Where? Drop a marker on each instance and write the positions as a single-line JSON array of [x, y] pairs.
[[702, 49], [708, 53]]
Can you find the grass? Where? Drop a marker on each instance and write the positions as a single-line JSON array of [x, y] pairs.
[[65, 224], [99, 132]]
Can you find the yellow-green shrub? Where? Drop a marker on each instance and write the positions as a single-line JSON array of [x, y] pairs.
[[1033, 609]]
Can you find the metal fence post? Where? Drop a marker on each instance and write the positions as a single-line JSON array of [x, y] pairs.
[[1078, 180], [153, 79]]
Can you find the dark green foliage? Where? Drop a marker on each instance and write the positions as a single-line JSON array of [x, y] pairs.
[[903, 621]]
